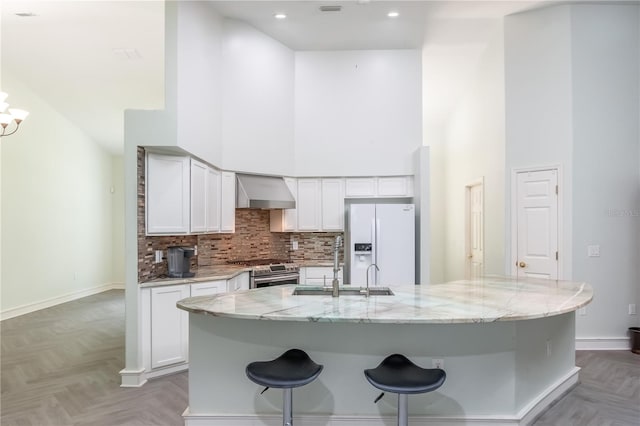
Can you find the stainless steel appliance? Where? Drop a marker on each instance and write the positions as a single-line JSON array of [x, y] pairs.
[[270, 272], [179, 262]]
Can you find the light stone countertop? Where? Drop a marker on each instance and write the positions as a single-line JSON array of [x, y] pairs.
[[203, 274], [219, 272], [487, 299]]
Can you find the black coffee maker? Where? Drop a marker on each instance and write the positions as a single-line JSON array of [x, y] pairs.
[[179, 262]]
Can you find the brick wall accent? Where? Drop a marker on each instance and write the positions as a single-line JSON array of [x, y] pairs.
[[252, 240]]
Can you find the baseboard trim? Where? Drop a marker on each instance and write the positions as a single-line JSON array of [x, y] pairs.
[[603, 344], [542, 402], [132, 378], [48, 303], [307, 420]]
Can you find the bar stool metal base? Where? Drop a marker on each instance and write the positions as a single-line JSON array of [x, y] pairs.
[[287, 407]]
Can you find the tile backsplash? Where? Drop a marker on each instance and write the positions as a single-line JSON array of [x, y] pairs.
[[252, 240]]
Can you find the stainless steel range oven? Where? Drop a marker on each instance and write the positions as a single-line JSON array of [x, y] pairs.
[[279, 274], [270, 272]]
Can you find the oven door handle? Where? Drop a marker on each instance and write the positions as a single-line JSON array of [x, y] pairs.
[[275, 278]]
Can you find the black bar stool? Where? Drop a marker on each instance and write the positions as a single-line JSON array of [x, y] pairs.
[[399, 375], [290, 370]]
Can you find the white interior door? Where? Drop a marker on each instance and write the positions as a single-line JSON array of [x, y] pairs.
[[537, 224], [475, 229]]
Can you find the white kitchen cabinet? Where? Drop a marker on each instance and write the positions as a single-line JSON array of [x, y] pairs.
[[212, 200], [395, 186], [308, 205], [228, 202], [318, 275], [205, 198], [286, 220], [208, 288], [239, 282], [360, 187], [379, 187], [332, 204], [167, 194], [169, 326]]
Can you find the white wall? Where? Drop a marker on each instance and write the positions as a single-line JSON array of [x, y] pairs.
[[56, 208], [199, 80], [257, 118], [538, 96], [606, 196], [573, 99], [117, 219], [357, 112], [473, 148]]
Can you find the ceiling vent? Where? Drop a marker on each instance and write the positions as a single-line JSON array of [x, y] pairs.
[[336, 8]]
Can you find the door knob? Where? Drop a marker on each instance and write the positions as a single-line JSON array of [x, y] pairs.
[[522, 265]]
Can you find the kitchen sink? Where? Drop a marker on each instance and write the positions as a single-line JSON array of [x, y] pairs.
[[344, 291]]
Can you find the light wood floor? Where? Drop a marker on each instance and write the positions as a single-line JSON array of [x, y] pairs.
[[60, 367]]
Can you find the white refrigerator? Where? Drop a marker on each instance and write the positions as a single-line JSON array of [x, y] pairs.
[[383, 234]]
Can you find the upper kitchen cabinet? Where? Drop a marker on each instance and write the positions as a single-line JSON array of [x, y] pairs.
[[319, 206], [332, 204], [228, 202], [308, 205], [205, 198], [184, 195], [379, 187], [167, 194]]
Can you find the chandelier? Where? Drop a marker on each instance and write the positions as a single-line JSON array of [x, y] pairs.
[[10, 121]]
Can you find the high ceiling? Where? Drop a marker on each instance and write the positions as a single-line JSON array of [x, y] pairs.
[[91, 60]]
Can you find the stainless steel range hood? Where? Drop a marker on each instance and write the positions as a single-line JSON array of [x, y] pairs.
[[263, 192]]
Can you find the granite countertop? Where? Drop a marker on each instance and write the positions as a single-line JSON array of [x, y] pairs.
[[207, 273], [487, 299]]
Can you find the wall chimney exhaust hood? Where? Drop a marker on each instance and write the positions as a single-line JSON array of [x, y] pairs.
[[263, 192]]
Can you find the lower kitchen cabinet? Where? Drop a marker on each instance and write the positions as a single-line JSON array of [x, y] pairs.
[[208, 288], [318, 275], [165, 328], [169, 326], [239, 282]]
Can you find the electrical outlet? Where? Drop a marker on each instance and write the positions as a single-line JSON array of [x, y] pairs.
[[582, 311], [195, 250], [632, 308], [158, 256], [593, 250], [437, 363], [294, 245], [548, 347]]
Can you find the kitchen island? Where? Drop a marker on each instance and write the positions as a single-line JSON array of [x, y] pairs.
[[507, 345]]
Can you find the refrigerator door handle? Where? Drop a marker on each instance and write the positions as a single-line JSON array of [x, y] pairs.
[[376, 272]]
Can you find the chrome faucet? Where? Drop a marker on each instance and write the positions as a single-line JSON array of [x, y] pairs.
[[336, 268], [366, 292]]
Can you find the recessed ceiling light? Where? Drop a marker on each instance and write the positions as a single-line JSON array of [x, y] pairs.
[[393, 14], [280, 15]]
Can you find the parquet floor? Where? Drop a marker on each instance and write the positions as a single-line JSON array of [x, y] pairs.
[[59, 367]]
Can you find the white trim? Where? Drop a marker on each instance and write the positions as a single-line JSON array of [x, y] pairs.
[[603, 344], [171, 369], [47, 303], [526, 415], [553, 393], [562, 249], [133, 378], [306, 420]]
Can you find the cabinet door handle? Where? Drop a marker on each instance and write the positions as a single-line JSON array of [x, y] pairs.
[[522, 264]]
